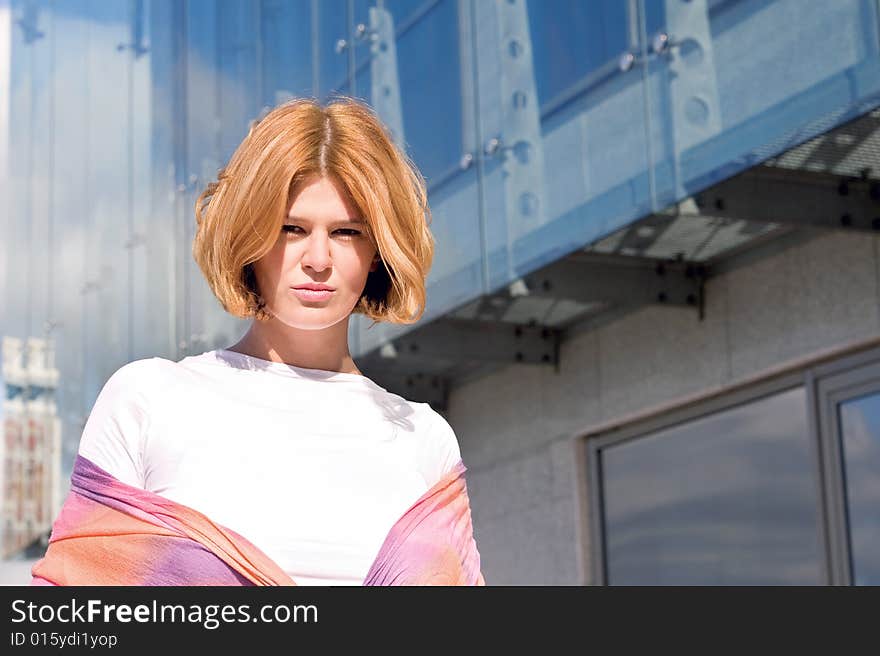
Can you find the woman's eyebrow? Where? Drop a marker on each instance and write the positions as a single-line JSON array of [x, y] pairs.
[[353, 219]]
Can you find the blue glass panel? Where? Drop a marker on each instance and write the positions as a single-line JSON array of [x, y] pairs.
[[748, 79], [430, 104], [168, 108], [237, 71], [332, 21], [287, 50], [726, 499], [860, 433], [71, 190], [573, 39], [106, 266]]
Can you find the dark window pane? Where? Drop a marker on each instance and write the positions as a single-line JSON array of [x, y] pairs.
[[860, 429], [727, 499]]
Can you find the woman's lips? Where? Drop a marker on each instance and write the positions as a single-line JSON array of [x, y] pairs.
[[312, 294]]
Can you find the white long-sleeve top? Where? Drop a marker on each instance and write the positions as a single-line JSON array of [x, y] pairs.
[[313, 467]]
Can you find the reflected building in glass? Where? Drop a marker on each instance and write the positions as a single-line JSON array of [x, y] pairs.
[[653, 316]]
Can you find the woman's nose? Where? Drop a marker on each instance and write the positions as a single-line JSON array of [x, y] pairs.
[[317, 254]]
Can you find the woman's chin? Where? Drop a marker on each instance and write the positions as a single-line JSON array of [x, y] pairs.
[[311, 318]]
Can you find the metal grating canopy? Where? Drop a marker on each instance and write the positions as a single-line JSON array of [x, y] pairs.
[[829, 182]]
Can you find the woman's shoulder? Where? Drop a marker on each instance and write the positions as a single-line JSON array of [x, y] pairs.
[[440, 447], [142, 377]]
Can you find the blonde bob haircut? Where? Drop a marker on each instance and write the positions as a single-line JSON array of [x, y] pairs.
[[239, 217]]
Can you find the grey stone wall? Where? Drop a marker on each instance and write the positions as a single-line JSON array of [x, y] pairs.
[[518, 427]]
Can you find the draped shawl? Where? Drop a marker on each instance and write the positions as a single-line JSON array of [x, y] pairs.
[[110, 533]]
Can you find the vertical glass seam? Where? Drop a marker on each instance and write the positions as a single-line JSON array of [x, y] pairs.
[[646, 92]]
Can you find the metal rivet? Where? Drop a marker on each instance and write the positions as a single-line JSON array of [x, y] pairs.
[[626, 61]]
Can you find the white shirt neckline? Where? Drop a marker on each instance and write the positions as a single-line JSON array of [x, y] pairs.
[[237, 360]]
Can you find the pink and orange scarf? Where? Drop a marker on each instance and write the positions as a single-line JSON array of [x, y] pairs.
[[110, 533]]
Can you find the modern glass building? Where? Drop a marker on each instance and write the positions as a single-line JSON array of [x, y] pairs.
[[653, 312]]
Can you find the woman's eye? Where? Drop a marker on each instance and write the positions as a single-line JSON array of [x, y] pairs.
[[349, 232]]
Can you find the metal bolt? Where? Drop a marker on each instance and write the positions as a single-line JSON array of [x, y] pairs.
[[846, 220], [661, 297], [545, 285], [691, 299], [719, 204], [519, 356], [660, 43]]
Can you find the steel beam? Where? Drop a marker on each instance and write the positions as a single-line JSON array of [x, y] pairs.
[[486, 341], [795, 196], [587, 278]]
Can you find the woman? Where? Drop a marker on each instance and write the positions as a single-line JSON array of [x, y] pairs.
[[275, 460]]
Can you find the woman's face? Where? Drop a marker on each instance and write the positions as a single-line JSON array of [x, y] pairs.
[[324, 241]]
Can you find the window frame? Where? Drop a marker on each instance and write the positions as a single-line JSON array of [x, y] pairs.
[[860, 376], [826, 382]]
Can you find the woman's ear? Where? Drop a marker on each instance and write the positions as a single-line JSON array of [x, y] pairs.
[[375, 263]]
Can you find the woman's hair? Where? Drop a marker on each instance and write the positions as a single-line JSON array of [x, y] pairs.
[[240, 215]]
